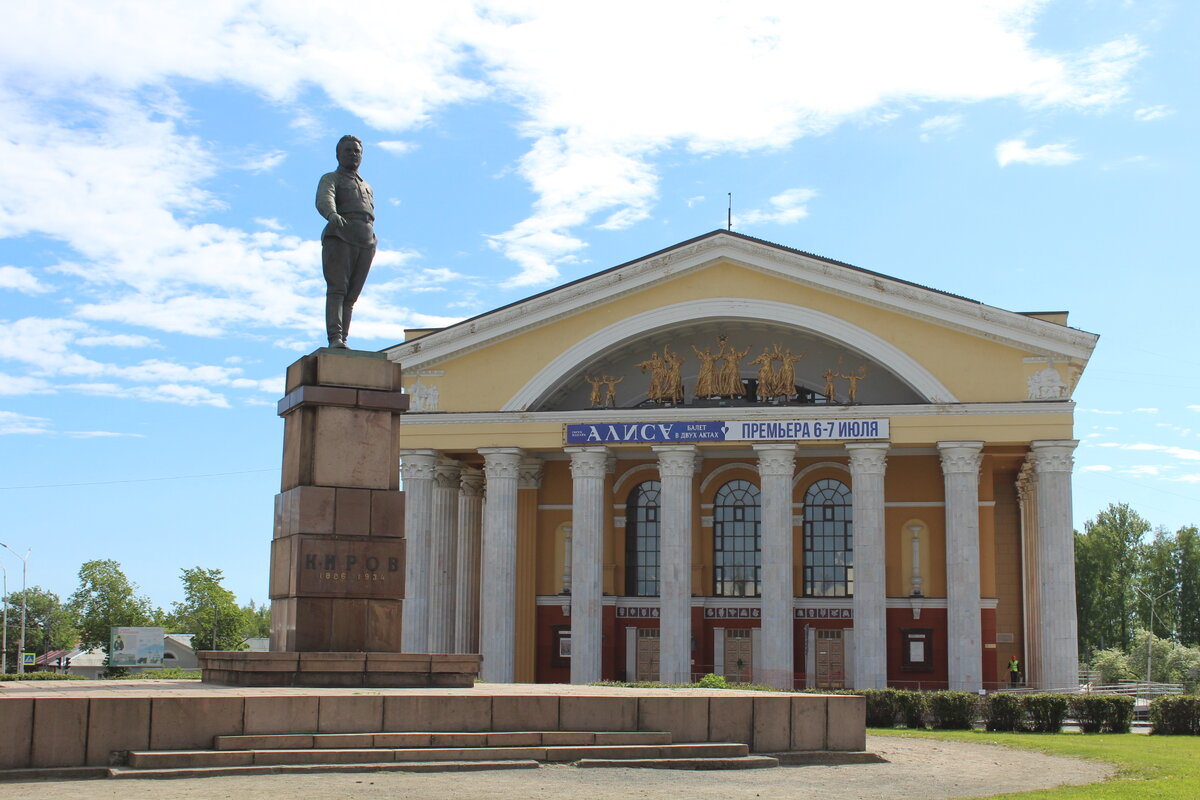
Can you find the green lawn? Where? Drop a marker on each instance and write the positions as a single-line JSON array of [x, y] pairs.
[[1165, 767]]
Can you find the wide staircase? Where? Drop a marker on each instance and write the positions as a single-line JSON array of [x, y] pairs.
[[437, 752]]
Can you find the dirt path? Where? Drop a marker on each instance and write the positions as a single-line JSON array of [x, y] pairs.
[[914, 768]]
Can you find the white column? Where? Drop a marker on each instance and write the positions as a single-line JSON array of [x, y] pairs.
[[466, 580], [867, 463], [776, 465], [676, 467], [443, 549], [588, 467], [1052, 461], [416, 468], [498, 575], [960, 471]]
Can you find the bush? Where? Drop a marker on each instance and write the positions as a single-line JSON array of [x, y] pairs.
[[1102, 712], [1177, 715], [882, 707], [166, 674], [1004, 712], [42, 676], [712, 681], [912, 707], [1046, 711], [953, 710]]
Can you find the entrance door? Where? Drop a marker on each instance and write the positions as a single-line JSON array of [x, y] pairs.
[[831, 659], [739, 654], [647, 654]]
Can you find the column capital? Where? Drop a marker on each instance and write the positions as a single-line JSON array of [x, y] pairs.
[[418, 464], [867, 458], [960, 457], [501, 462], [1026, 480], [446, 473], [471, 482], [529, 473], [677, 460], [1053, 455], [776, 458], [588, 462]]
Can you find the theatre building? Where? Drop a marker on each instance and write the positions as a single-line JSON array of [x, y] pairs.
[[731, 456]]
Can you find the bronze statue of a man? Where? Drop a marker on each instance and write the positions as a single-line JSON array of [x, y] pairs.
[[348, 241]]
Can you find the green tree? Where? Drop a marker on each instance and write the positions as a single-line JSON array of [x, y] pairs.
[[210, 611], [1187, 599], [105, 599], [1158, 583], [48, 624], [258, 620], [1106, 566]]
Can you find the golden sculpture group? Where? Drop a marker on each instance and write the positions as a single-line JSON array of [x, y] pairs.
[[776, 376]]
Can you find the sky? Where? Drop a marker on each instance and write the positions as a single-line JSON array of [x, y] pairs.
[[159, 251]]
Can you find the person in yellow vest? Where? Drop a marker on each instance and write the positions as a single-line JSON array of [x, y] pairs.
[[1014, 670]]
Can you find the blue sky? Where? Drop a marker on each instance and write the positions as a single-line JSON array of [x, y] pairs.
[[159, 259]]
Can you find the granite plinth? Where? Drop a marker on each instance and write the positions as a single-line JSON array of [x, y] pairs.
[[400, 670]]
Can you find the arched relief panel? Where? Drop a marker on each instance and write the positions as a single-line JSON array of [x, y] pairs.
[[617, 348]]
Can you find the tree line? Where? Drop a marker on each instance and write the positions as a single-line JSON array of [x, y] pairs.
[[106, 598], [1138, 591]]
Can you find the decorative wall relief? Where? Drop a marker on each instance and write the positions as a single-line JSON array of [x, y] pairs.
[[1046, 384]]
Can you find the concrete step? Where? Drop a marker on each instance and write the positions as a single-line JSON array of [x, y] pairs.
[[279, 769], [188, 759], [738, 762], [290, 741]]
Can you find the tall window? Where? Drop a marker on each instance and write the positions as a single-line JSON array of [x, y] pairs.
[[641, 540], [828, 540], [736, 516]]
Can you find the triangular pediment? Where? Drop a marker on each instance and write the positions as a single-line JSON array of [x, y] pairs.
[[914, 343]]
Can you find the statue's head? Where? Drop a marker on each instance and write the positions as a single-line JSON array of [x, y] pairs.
[[349, 152]]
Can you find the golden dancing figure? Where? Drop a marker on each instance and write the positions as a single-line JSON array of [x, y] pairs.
[[595, 400], [787, 371], [673, 384], [853, 378], [729, 382], [610, 397], [706, 382], [830, 390], [657, 374], [766, 375]]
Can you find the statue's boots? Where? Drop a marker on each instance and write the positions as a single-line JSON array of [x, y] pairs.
[[334, 325]]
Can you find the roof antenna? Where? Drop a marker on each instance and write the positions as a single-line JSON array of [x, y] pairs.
[[729, 212]]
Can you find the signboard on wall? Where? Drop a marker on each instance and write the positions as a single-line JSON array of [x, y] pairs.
[[792, 430], [135, 647]]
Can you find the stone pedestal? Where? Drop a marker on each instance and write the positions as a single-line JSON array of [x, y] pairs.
[[338, 554]]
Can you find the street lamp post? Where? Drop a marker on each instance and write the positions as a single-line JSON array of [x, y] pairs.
[[1150, 633], [4, 646], [24, 599]]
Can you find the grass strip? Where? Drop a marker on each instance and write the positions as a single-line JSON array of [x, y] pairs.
[[1150, 767]]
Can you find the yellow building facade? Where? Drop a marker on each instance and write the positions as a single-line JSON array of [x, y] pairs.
[[735, 457]]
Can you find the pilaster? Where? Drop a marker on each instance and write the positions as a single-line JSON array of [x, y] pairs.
[[466, 581], [529, 482], [443, 555]]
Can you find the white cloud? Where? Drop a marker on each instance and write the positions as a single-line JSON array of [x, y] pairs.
[[22, 384], [1100, 411], [398, 148], [264, 162], [593, 132], [1183, 453], [1152, 113], [102, 435], [1143, 470], [940, 126], [116, 340], [270, 223], [164, 393], [1097, 468], [787, 207], [13, 423], [1194, 408], [21, 280], [1016, 151], [1145, 411]]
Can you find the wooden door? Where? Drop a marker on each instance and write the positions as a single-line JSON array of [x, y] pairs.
[[831, 659], [647, 654], [739, 655]]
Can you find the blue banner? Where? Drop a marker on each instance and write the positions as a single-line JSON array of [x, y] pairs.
[[793, 430]]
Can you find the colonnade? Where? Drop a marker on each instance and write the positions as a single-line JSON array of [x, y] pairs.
[[451, 531]]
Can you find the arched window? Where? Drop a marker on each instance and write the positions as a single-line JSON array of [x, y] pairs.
[[641, 540], [736, 516], [828, 540]]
